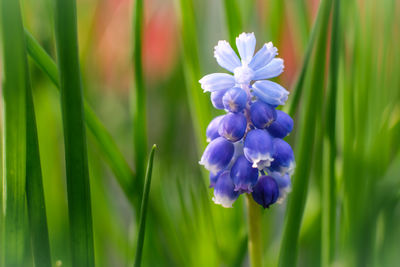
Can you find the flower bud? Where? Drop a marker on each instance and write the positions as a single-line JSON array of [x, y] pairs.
[[235, 99], [283, 158], [217, 155], [266, 191], [258, 148], [282, 126], [233, 126], [261, 114], [212, 128], [216, 98], [244, 175], [224, 193]]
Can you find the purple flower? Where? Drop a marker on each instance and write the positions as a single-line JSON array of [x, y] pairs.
[[242, 141], [234, 100], [283, 158], [258, 148], [233, 126], [217, 155], [213, 179], [284, 184], [244, 175], [270, 92], [262, 115], [216, 98], [263, 65], [224, 193], [266, 191], [282, 126], [212, 128]]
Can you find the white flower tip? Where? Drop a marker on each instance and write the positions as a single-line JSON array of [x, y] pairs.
[[222, 44], [224, 201], [271, 48], [245, 36]]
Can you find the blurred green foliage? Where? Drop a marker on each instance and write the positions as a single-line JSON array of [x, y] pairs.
[[184, 227]]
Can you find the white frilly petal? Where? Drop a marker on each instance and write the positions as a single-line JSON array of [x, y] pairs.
[[273, 69], [225, 56], [246, 43], [264, 56], [270, 92], [217, 81]]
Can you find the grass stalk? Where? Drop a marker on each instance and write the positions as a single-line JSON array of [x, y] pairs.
[[143, 209], [198, 102], [233, 20], [254, 234], [328, 180], [14, 142], [34, 189], [102, 137], [78, 188], [297, 89], [139, 98], [313, 105]]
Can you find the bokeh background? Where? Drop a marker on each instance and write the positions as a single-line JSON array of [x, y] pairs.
[[184, 227]]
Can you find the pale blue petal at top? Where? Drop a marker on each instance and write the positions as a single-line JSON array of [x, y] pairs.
[[264, 56], [270, 92], [217, 81], [246, 43], [273, 69], [225, 56]]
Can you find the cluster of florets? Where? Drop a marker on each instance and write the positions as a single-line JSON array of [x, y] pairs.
[[246, 151]]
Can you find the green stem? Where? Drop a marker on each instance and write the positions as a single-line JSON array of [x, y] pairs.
[[254, 241]]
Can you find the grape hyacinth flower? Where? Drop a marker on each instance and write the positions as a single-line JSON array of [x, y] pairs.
[[246, 153]]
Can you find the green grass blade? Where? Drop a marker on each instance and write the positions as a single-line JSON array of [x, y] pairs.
[[79, 202], [14, 96], [299, 84], [143, 209], [42, 59], [233, 20], [102, 137], [313, 105], [275, 20], [34, 189], [328, 180], [139, 99], [198, 101]]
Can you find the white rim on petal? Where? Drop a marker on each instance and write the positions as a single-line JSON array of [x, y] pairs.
[[224, 201]]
